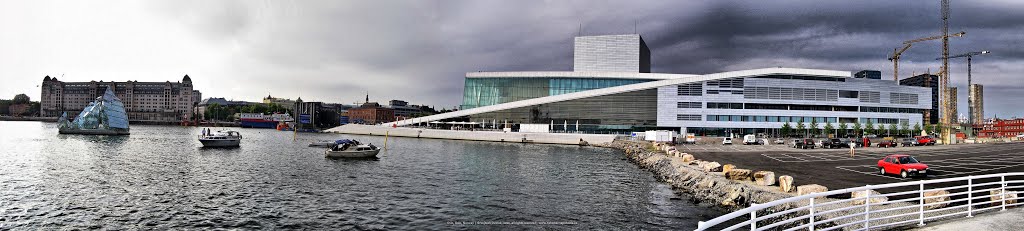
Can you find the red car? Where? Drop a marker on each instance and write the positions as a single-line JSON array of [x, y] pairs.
[[887, 144], [925, 140], [902, 164]]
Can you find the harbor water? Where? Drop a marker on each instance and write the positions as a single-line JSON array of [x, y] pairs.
[[160, 178]]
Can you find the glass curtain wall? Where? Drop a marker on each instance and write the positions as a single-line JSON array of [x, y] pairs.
[[618, 113], [479, 92]]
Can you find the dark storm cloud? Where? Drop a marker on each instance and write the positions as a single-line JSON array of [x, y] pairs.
[[420, 50]]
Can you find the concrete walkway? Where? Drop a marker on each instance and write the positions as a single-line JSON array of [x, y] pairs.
[[496, 136], [995, 220]]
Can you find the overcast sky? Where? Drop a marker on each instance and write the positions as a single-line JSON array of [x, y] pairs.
[[419, 51]]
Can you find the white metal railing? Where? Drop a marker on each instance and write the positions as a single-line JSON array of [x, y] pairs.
[[810, 213]]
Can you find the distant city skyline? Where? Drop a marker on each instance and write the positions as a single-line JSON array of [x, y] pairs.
[[419, 51]]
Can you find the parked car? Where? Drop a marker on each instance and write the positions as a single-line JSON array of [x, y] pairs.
[[796, 142], [727, 140], [902, 164], [925, 140], [887, 144], [804, 144], [906, 142], [837, 143], [822, 143], [780, 141]]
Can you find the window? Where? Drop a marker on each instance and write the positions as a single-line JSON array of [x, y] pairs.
[[688, 117], [727, 83], [848, 94], [902, 98], [693, 89], [725, 105], [688, 104]]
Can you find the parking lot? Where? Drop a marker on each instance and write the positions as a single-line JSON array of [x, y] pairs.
[[835, 168]]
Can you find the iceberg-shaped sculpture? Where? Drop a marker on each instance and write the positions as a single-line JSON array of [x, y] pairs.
[[105, 116]]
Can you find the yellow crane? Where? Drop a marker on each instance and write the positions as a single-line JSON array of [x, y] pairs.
[[897, 52]]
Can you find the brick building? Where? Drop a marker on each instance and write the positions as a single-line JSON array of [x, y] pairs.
[[1002, 128], [143, 101], [371, 113]]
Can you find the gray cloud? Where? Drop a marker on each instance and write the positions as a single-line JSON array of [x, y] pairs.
[[420, 50]]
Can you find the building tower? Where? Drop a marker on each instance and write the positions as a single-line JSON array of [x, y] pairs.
[[976, 104]]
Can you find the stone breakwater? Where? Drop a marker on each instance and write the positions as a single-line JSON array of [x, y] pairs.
[[735, 188]]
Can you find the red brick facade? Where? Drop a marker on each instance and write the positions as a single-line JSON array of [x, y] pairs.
[[1002, 128], [371, 113]]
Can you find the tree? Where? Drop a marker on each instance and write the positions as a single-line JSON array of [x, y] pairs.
[[932, 129], [893, 128], [879, 128], [917, 129], [904, 127], [21, 99], [786, 129], [869, 127], [828, 128], [801, 128], [843, 127], [814, 127], [857, 129]]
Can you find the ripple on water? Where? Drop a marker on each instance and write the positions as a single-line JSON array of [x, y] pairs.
[[159, 178]]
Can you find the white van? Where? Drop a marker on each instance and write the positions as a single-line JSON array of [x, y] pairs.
[[750, 139]]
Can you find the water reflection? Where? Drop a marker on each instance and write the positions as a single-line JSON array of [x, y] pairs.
[[160, 178]]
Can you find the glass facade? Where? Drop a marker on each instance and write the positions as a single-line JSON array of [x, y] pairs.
[[479, 92], [618, 113], [107, 112]]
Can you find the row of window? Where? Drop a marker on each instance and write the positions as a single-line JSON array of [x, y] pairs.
[[793, 119], [693, 89], [785, 93], [796, 107], [734, 92], [870, 97], [727, 83], [687, 117], [902, 98]]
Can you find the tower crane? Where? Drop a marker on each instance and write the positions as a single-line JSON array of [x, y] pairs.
[[970, 96], [897, 52]]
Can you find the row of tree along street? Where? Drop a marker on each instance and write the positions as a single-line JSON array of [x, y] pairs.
[[21, 105], [855, 129]]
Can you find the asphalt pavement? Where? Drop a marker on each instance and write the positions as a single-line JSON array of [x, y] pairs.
[[836, 169]]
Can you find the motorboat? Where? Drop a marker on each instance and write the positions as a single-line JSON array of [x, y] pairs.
[[225, 138], [323, 143], [351, 149]]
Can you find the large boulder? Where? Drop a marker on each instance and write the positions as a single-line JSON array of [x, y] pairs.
[[875, 198], [810, 188], [936, 199], [727, 167], [764, 178], [786, 183], [687, 158], [734, 197], [737, 174], [712, 167], [1011, 196]]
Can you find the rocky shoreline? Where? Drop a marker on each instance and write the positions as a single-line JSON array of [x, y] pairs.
[[734, 188]]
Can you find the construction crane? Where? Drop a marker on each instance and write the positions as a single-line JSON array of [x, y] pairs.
[[969, 55], [897, 52], [970, 96]]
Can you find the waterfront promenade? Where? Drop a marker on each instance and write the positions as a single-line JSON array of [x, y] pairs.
[[496, 136]]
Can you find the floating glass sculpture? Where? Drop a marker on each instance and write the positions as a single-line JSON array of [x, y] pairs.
[[105, 116]]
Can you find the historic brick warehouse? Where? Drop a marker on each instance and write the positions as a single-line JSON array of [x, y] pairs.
[[144, 101]]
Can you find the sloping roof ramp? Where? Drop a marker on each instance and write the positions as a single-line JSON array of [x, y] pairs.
[[621, 89]]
